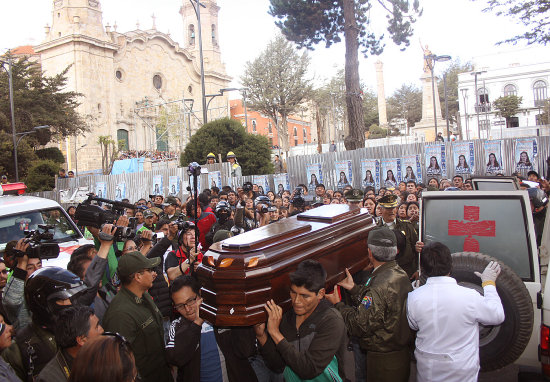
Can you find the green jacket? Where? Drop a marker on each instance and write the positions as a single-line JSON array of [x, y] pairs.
[[408, 260], [378, 315], [140, 322]]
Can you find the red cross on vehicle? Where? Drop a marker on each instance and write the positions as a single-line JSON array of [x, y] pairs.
[[472, 227]]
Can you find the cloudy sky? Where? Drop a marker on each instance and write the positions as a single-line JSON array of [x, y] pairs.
[[457, 28]]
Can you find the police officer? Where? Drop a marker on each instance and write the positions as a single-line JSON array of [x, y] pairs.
[[169, 209], [354, 198], [408, 260], [377, 314], [210, 158], [235, 167]]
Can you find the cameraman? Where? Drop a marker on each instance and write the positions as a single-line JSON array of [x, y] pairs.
[[223, 213], [205, 221], [297, 202], [179, 262]]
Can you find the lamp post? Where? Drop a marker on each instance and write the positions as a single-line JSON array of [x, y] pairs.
[[198, 13], [242, 90], [431, 59], [12, 109], [446, 104], [464, 93], [476, 105], [21, 135], [212, 96], [76, 157]]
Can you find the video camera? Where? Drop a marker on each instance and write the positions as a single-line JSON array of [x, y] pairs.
[[39, 248], [297, 199], [88, 214]]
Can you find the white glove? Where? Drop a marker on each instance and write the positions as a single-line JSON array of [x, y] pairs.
[[491, 272]]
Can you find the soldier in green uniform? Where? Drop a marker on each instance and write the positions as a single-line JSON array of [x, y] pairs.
[[408, 259], [377, 314], [354, 197], [169, 209]]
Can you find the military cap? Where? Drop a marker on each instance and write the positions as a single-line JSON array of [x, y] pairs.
[[382, 237], [388, 201], [317, 200], [170, 200], [134, 262], [354, 195], [148, 213]]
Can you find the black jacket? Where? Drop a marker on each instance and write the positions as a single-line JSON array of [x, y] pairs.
[[160, 291]]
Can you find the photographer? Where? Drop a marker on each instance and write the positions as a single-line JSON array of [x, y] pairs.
[[297, 202], [205, 221], [179, 262], [223, 213]]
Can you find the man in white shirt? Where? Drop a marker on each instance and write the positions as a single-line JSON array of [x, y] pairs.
[[446, 317]]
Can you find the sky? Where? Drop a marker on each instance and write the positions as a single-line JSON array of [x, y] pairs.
[[457, 28]]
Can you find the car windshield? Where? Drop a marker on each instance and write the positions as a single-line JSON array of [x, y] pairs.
[[13, 227]]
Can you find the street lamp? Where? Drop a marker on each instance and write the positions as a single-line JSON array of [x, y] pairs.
[[242, 90], [198, 13], [430, 61], [464, 93], [76, 157], [21, 135], [13, 132], [476, 105]]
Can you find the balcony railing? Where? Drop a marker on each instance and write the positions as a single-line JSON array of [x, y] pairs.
[[483, 107]]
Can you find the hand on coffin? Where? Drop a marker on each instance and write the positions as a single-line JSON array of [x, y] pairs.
[[274, 317], [199, 321], [347, 283], [334, 297], [414, 276]]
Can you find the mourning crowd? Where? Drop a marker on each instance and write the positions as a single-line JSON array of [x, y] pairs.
[[127, 309]]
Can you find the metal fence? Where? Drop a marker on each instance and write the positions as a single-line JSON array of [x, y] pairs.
[[139, 185]]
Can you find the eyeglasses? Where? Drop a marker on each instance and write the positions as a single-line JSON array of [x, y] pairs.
[[187, 304], [128, 249], [4, 271], [118, 336]]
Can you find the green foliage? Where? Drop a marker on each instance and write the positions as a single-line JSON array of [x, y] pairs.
[[452, 71], [42, 176], [532, 14], [51, 153], [277, 84], [25, 156], [223, 135], [376, 132], [406, 102], [507, 106]]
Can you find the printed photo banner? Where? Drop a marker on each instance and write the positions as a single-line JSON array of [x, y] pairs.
[[101, 189], [282, 182], [391, 172], [411, 168], [370, 173], [215, 179], [314, 173], [263, 183], [525, 155], [463, 157], [344, 174], [157, 185], [120, 191], [81, 194], [493, 157], [436, 161], [174, 185]]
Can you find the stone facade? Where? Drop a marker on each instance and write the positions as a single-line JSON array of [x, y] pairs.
[[125, 77]]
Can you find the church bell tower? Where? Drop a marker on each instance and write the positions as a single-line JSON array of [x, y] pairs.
[[76, 17]]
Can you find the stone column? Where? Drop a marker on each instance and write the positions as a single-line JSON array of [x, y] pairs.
[[382, 116]]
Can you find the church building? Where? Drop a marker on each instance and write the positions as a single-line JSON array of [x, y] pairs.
[[140, 88]]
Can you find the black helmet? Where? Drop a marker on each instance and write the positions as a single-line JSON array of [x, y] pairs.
[[223, 206], [188, 225], [537, 197], [46, 286], [262, 199]]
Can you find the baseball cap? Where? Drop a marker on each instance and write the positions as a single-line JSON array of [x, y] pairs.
[[134, 262], [382, 237]]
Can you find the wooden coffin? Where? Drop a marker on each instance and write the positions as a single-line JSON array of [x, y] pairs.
[[240, 274]]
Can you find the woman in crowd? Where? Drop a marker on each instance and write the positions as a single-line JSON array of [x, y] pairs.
[[370, 205], [412, 213], [402, 211], [433, 182], [270, 195]]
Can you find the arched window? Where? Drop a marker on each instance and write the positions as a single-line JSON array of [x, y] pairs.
[[510, 90], [214, 35], [539, 93], [254, 125], [304, 131], [269, 127], [122, 138], [483, 95], [191, 34], [295, 132]]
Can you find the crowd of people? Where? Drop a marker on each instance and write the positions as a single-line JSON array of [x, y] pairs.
[[153, 155], [126, 308]]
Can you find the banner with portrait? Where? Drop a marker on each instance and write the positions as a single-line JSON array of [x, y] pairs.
[[463, 157], [344, 174], [390, 172], [263, 183], [314, 174], [282, 182], [101, 189], [173, 185], [370, 173], [120, 191], [525, 155], [81, 194], [436, 161], [493, 157], [215, 179], [157, 185], [411, 168]]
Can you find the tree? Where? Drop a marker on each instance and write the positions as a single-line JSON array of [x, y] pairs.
[[531, 13], [38, 100], [51, 153], [308, 23], [223, 135], [452, 71], [25, 155], [277, 84], [507, 107], [42, 176], [406, 102], [109, 152]]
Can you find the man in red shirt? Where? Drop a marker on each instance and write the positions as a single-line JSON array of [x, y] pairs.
[[205, 221]]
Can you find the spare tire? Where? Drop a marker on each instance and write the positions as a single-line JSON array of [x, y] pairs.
[[503, 344]]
